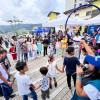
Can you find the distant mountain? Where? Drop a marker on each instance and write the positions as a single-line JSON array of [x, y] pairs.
[[9, 28]]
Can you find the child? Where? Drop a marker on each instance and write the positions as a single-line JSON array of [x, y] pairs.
[[35, 48], [24, 51], [51, 49], [29, 47], [70, 62], [7, 63], [25, 86], [58, 45], [64, 46], [44, 83], [76, 46], [5, 84], [39, 47], [13, 52], [52, 66], [95, 50]]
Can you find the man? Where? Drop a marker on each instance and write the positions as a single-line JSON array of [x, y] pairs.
[[45, 43]]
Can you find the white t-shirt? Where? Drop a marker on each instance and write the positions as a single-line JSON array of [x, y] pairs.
[[44, 83], [4, 74], [77, 38], [23, 82], [29, 44], [92, 92], [52, 69], [35, 47]]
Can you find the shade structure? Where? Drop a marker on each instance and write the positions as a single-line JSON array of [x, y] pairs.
[[39, 30], [61, 20], [93, 21]]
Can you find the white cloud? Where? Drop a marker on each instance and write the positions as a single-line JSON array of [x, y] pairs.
[[29, 11]]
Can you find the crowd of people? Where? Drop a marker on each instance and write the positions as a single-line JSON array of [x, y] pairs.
[[81, 62]]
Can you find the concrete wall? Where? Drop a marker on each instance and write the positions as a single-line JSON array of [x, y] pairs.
[[82, 13], [69, 4], [52, 16]]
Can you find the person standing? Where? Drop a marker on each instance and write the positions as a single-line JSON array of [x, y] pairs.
[[17, 45], [39, 47], [29, 47], [46, 43], [63, 45], [70, 62]]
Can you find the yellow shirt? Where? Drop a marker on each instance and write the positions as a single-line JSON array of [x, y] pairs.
[[66, 38], [63, 43]]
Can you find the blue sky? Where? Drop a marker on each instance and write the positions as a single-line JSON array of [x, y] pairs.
[[29, 11]]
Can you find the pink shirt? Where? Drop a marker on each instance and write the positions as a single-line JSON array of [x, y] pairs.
[[58, 44]]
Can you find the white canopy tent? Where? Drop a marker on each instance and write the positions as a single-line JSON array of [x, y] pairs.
[[61, 20], [93, 21]]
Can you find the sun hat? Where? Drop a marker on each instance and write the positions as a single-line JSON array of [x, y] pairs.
[[93, 60]]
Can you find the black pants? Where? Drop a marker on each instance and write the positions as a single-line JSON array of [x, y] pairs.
[[45, 51], [69, 79], [45, 94]]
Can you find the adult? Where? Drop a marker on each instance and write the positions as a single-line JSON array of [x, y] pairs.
[[45, 43], [1, 39], [88, 82], [77, 37], [17, 44]]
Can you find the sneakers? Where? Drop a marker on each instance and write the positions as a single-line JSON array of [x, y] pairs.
[[50, 86], [12, 96], [56, 84], [69, 88]]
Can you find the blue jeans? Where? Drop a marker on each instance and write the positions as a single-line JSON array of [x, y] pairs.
[[7, 90], [31, 95], [31, 53]]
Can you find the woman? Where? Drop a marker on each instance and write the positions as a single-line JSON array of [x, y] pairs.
[[88, 82]]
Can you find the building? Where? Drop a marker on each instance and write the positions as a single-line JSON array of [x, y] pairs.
[[52, 15], [83, 12], [71, 4]]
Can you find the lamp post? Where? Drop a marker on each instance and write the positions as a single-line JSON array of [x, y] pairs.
[[13, 23]]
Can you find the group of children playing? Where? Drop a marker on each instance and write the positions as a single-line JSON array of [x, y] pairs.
[[27, 48], [25, 87]]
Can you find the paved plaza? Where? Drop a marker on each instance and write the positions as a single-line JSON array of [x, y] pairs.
[[60, 93]]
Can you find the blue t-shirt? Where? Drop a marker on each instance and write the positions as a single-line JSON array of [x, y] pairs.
[[70, 64]]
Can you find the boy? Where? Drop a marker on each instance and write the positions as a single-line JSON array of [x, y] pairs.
[[5, 84], [7, 63], [24, 50], [25, 86], [44, 83]]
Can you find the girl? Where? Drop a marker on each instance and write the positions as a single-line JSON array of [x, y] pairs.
[[39, 47], [35, 48], [58, 45], [13, 52], [52, 66], [51, 49], [70, 62], [29, 47]]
